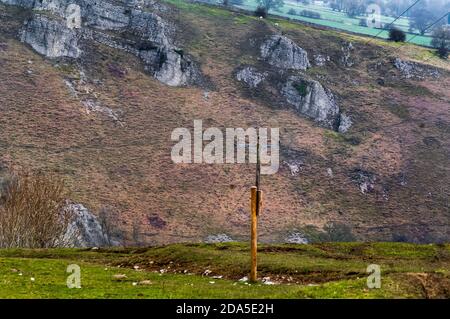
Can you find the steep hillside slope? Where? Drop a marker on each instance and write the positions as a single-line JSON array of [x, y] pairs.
[[100, 108]]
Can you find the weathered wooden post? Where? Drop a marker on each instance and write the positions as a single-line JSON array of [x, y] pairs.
[[254, 234], [255, 207]]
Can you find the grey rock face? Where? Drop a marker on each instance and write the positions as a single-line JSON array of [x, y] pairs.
[[310, 99], [405, 67], [151, 27], [410, 69], [51, 37], [345, 123], [85, 229], [106, 16], [148, 35], [250, 76], [282, 52], [177, 69], [321, 60], [57, 7], [330, 172], [294, 166], [346, 58], [169, 65], [364, 179]]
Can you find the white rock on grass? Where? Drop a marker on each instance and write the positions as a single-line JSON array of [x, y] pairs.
[[296, 237], [218, 238]]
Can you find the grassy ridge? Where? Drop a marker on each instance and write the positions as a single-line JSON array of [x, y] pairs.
[[338, 20], [335, 270]]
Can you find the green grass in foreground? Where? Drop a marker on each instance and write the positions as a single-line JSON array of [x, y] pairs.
[[335, 270]]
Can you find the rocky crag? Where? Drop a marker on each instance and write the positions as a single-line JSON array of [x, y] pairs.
[[286, 63], [60, 28]]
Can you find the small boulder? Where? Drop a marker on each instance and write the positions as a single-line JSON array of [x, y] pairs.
[[296, 237], [219, 238]]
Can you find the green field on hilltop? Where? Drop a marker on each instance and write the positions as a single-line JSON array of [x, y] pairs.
[[335, 270], [337, 20]]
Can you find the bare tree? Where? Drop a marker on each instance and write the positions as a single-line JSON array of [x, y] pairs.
[[136, 233], [33, 211], [109, 221], [270, 4], [441, 41], [421, 18]]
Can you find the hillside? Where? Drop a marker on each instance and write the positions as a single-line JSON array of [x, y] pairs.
[[101, 114], [216, 271]]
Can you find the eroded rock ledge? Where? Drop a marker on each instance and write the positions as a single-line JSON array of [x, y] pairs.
[[282, 52], [123, 26], [281, 70]]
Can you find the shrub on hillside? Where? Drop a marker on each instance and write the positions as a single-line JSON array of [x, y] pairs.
[[397, 35], [335, 232], [332, 232], [33, 212]]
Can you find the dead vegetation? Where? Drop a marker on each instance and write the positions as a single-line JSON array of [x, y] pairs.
[[33, 212]]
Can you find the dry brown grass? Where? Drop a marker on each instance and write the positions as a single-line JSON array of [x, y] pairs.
[[129, 168]]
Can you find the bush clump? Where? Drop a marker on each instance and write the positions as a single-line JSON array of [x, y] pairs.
[[33, 211], [397, 35], [260, 12]]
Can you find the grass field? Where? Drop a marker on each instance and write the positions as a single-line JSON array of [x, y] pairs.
[[338, 20], [335, 270]]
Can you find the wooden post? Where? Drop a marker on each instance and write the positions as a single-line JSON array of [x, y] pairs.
[[256, 205], [254, 234]]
